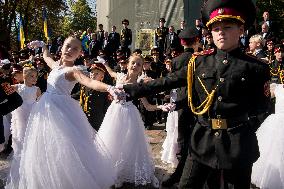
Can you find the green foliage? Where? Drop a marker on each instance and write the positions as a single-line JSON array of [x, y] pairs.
[[80, 17], [31, 12]]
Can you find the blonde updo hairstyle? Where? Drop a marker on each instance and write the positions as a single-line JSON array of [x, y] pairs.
[[28, 69]]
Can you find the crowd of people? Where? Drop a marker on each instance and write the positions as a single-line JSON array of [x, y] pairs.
[[233, 68]]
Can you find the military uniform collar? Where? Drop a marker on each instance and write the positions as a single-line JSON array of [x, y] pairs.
[[223, 55], [189, 50]]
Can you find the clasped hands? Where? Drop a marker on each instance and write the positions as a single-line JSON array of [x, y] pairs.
[[35, 44], [117, 92], [167, 107]]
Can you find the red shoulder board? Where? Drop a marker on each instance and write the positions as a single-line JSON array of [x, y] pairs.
[[209, 51]]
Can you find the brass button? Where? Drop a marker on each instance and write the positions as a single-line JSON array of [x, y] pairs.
[[222, 79], [220, 98], [225, 61], [217, 134]]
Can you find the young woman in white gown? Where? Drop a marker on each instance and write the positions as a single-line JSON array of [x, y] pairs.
[[29, 93], [61, 150], [268, 170], [123, 133]]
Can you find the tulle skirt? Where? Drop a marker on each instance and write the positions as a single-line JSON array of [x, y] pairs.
[[123, 133], [18, 126], [170, 145], [268, 171], [61, 150]]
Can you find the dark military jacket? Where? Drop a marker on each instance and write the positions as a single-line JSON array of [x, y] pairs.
[[241, 95], [185, 116], [269, 55], [275, 70], [42, 80], [9, 101], [94, 104], [125, 37], [161, 34]]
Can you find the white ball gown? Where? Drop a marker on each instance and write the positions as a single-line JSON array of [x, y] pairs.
[[19, 124], [170, 145], [123, 133], [61, 150], [268, 170]]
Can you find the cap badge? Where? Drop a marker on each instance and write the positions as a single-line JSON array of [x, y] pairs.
[[220, 11]]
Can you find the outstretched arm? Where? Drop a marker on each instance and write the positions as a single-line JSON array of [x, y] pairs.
[[173, 80], [46, 54], [112, 73], [47, 57], [86, 81]]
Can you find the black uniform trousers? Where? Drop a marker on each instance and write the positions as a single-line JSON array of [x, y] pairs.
[[196, 174]]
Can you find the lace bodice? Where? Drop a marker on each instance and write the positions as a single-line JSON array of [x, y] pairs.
[[56, 82], [279, 94], [120, 79], [28, 94]]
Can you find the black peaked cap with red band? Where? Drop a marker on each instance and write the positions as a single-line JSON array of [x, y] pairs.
[[217, 10]]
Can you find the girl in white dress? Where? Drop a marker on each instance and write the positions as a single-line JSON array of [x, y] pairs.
[[268, 170], [170, 145], [123, 133], [61, 150], [29, 94]]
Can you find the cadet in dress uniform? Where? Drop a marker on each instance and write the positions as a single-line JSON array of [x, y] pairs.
[[95, 103], [190, 41], [277, 71], [161, 34], [277, 66], [42, 74], [125, 37], [228, 91], [269, 51]]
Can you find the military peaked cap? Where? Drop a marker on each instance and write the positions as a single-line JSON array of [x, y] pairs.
[[188, 33], [217, 10]]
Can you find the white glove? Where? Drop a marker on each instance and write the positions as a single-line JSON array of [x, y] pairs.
[[36, 44], [168, 107], [118, 94], [101, 60]]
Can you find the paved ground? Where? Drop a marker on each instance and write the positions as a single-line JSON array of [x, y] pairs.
[[156, 138]]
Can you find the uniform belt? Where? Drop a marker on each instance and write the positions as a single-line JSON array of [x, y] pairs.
[[222, 123]]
